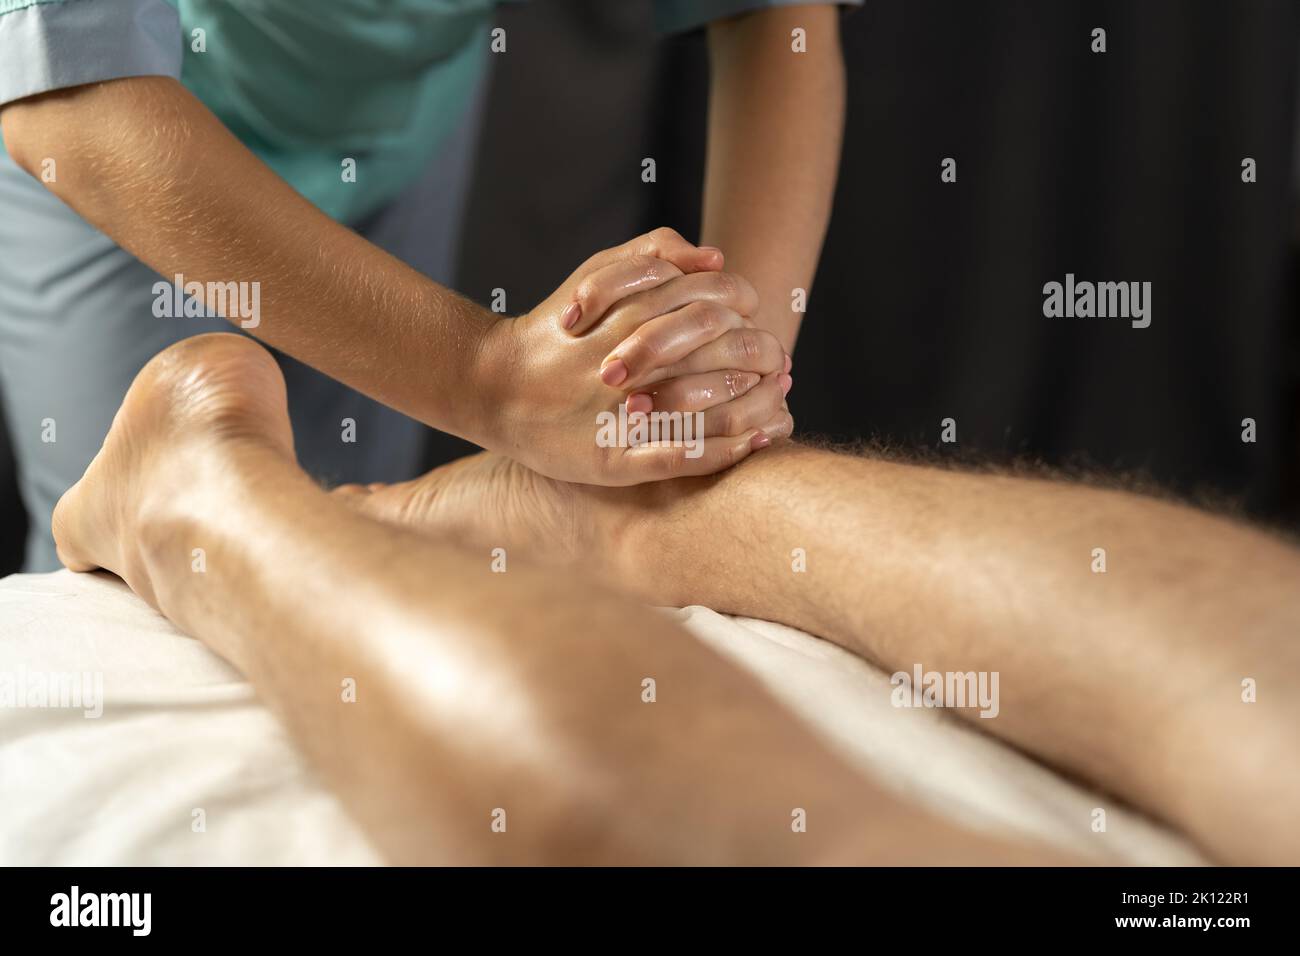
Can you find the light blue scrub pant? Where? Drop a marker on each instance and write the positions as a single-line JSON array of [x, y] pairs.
[[77, 324]]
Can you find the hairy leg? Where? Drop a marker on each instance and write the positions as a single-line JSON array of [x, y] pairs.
[[475, 692], [1132, 678]]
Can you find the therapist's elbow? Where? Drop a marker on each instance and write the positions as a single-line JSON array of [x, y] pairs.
[[40, 131], [19, 128], [91, 128]]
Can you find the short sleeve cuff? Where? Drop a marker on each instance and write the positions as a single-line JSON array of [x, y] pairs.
[[678, 16], [48, 45]]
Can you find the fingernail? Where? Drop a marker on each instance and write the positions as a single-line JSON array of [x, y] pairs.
[[785, 381], [570, 316], [640, 402], [711, 249], [759, 441], [789, 363], [613, 373]]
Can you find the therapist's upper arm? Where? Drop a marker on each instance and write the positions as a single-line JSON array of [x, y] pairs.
[[58, 45]]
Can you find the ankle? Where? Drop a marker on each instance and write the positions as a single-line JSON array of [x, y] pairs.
[[190, 502]]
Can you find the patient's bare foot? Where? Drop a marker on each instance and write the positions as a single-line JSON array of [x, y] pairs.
[[488, 501], [193, 407]]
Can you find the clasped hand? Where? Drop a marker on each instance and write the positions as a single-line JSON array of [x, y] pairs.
[[656, 325]]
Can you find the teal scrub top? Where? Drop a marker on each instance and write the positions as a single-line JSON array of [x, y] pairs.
[[305, 85]]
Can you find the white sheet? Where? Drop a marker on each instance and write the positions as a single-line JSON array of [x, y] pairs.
[[181, 732]]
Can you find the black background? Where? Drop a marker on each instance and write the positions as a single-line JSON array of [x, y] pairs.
[[810, 909]]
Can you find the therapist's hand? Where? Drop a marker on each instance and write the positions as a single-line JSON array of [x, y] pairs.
[[663, 340]]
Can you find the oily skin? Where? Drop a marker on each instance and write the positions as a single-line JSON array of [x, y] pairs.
[[1131, 680], [475, 692]]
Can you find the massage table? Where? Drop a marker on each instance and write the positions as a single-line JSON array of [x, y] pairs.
[[186, 766]]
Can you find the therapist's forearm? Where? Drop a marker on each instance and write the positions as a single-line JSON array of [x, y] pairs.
[[776, 118], [147, 163]]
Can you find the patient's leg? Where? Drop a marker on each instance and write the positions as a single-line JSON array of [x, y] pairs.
[[476, 693], [1131, 678]]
